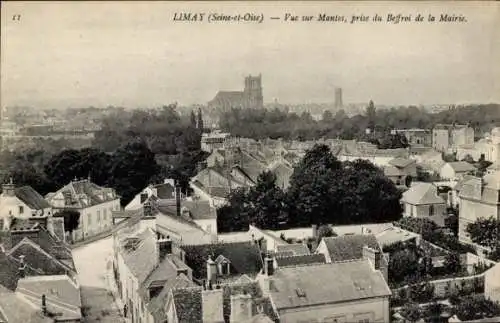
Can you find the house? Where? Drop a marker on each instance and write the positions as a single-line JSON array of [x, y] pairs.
[[446, 136], [165, 191], [479, 198], [394, 235], [214, 140], [231, 260], [492, 283], [421, 200], [57, 296], [14, 308], [194, 223], [348, 291], [401, 169], [23, 203], [239, 302], [135, 258], [456, 170], [354, 247], [458, 187], [94, 203]]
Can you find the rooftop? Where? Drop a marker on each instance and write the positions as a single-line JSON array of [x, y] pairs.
[[312, 285], [350, 247], [422, 194]]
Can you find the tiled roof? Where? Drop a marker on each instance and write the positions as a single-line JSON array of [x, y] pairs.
[[188, 302], [166, 270], [349, 247], [37, 258], [18, 224], [234, 99], [62, 295], [139, 254], [296, 249], [157, 305], [31, 198], [14, 309], [9, 271], [200, 210], [390, 170], [84, 193], [461, 166], [169, 212], [165, 191], [394, 234], [300, 260], [300, 286], [422, 194], [245, 257], [401, 162]]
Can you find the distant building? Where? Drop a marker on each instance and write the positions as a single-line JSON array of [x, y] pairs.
[[338, 98], [479, 197], [250, 98], [417, 137], [445, 137], [401, 171], [214, 140], [456, 170]]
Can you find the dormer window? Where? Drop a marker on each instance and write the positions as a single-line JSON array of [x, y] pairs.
[[223, 265]]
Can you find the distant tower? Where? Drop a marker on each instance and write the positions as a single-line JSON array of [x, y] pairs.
[[253, 92], [338, 98]]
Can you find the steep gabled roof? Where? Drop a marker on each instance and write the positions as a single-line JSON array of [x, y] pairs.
[[245, 257], [422, 194], [15, 309], [31, 198], [349, 247], [294, 249], [139, 254]]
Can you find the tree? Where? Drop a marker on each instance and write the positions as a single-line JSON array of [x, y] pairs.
[[371, 115], [71, 219], [327, 116], [200, 125], [132, 167], [267, 202], [476, 307], [234, 216], [403, 264], [309, 197], [421, 292], [412, 312], [193, 119], [452, 263], [485, 232], [325, 231]]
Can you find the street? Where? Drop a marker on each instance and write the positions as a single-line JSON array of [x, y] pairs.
[[94, 265]]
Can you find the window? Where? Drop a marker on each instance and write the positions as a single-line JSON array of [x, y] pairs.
[[21, 209], [104, 214], [89, 217], [431, 210], [364, 321]]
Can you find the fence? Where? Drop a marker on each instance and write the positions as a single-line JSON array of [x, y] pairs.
[[446, 287]]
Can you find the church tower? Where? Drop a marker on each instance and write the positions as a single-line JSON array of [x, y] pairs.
[[253, 92]]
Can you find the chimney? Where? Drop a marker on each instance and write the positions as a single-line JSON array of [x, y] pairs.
[[22, 267], [375, 256], [178, 199], [211, 271], [44, 305], [314, 231], [164, 248], [212, 305], [268, 265], [241, 308], [9, 188]]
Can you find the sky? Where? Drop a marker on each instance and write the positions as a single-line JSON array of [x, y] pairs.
[[69, 54]]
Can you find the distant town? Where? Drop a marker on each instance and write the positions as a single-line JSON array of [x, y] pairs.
[[238, 211]]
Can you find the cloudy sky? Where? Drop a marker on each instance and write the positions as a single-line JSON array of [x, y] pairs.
[[134, 54]]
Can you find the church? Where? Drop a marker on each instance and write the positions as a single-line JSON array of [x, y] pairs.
[[250, 98]]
